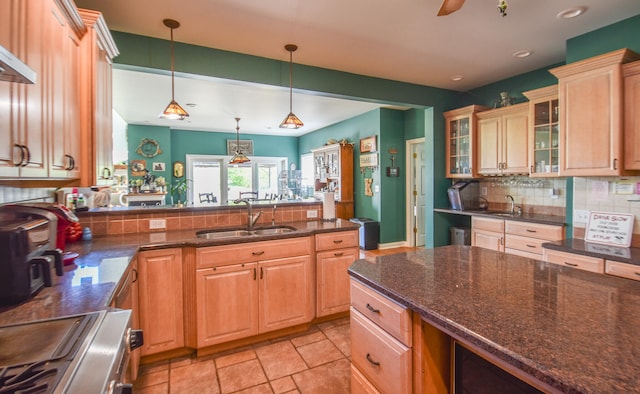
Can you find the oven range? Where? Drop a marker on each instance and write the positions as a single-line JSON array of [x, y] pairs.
[[86, 353]]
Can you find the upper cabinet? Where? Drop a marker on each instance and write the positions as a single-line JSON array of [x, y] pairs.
[[544, 131], [590, 96], [333, 172], [97, 51], [502, 141], [632, 115], [461, 135]]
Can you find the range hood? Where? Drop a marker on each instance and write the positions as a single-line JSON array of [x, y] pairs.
[[13, 69]]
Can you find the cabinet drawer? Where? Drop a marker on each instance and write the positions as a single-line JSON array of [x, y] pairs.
[[383, 360], [360, 384], [525, 244], [496, 225], [535, 230], [337, 240], [393, 318], [586, 263], [213, 256], [629, 271]]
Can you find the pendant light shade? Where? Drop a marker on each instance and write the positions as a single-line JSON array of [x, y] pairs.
[[173, 111], [291, 121], [238, 157]]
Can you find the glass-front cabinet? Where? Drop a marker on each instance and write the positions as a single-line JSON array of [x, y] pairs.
[[461, 134], [544, 131]]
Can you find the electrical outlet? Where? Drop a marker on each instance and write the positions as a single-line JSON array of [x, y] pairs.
[[581, 216], [155, 224], [312, 213]]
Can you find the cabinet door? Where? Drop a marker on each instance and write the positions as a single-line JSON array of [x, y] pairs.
[[227, 303], [514, 143], [127, 298], [489, 146], [333, 280], [160, 297], [632, 116], [285, 292], [488, 240], [8, 39]]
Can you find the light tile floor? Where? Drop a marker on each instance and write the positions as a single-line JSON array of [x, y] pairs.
[[316, 361]]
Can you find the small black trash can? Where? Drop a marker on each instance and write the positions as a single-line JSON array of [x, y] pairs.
[[460, 236], [369, 233]]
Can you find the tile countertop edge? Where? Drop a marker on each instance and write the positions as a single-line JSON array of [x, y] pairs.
[[462, 291], [89, 284], [460, 333], [608, 252]]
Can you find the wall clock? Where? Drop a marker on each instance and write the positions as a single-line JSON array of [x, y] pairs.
[[149, 148]]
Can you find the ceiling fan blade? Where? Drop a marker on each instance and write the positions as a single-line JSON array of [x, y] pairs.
[[449, 6]]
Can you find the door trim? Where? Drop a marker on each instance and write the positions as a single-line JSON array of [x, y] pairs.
[[408, 181]]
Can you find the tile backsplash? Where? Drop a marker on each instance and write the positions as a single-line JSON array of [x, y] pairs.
[[9, 194], [534, 195]]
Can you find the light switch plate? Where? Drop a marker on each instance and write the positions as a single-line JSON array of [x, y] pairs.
[[312, 213], [581, 215]]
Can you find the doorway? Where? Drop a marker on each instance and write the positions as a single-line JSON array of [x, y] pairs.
[[416, 197]]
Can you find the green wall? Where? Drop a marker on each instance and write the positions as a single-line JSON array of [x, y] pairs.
[[624, 34], [158, 133], [392, 189]]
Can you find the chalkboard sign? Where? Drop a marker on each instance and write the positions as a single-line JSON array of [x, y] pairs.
[[610, 228]]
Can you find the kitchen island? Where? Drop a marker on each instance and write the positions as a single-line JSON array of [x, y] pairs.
[[557, 328]]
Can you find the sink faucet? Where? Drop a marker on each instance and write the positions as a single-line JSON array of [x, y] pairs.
[[509, 196], [251, 218]]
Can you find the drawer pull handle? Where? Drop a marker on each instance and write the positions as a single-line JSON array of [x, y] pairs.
[[338, 254], [372, 309], [337, 241], [261, 272], [531, 231], [254, 273], [372, 361], [260, 253], [571, 264], [531, 246]]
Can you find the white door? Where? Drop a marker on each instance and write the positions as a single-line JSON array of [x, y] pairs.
[[416, 195]]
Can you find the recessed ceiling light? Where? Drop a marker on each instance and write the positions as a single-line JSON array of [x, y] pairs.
[[521, 54], [571, 12], [456, 77]]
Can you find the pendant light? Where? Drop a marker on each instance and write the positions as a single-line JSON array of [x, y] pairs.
[[238, 157], [291, 121], [173, 111]]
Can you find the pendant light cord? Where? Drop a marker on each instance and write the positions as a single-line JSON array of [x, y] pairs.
[[291, 81], [172, 68]]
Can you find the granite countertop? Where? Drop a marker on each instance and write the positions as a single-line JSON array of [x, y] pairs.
[[573, 330], [609, 252], [89, 284], [524, 217]]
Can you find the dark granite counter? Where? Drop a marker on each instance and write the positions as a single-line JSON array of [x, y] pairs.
[[89, 284], [524, 217], [575, 331], [579, 246]]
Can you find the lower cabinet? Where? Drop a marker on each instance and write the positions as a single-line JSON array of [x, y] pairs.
[[381, 341], [270, 289], [487, 233], [126, 297], [160, 299], [587, 263], [629, 271], [335, 253]]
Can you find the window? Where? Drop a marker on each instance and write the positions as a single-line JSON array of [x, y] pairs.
[[207, 174]]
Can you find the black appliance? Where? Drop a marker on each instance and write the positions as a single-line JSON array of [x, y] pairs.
[[27, 238], [86, 353], [369, 233], [464, 195]]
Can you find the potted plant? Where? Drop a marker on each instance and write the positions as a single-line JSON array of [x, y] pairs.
[[179, 187]]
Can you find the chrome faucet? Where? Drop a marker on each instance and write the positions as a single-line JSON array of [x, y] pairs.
[[251, 220], [512, 210]]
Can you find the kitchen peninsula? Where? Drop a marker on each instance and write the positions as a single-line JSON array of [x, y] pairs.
[[557, 328]]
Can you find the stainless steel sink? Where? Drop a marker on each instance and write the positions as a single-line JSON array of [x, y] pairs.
[[219, 234]]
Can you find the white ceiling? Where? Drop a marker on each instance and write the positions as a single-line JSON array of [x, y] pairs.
[[400, 40]]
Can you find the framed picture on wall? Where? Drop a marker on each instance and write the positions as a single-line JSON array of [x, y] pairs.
[[158, 167], [178, 169], [368, 144], [138, 167], [246, 146]]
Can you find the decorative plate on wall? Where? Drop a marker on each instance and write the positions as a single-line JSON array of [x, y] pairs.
[[149, 148]]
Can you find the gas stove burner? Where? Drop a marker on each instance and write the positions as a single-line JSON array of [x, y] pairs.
[[36, 377]]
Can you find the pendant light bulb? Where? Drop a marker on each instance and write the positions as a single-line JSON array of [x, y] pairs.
[[173, 111], [291, 121], [238, 157]]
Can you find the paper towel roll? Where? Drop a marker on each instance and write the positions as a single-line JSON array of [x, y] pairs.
[[328, 206]]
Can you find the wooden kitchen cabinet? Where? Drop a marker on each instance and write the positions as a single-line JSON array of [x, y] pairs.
[[526, 238], [126, 297], [97, 52], [503, 141], [629, 271], [248, 289], [461, 141], [333, 171], [487, 233], [544, 131], [590, 95], [161, 300], [381, 342], [587, 263], [631, 72], [335, 252]]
